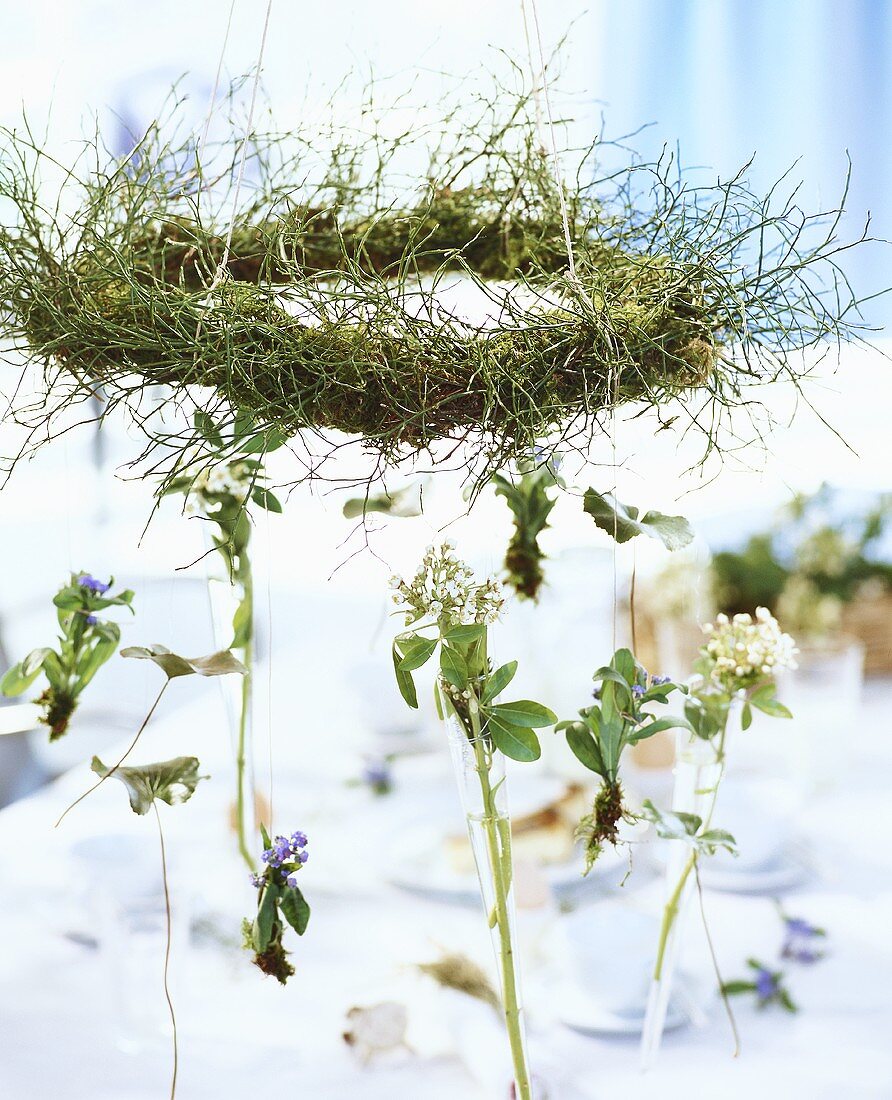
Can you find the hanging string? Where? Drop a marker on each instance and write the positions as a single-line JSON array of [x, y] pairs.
[[213, 101], [269, 669], [556, 161], [224, 259], [537, 91]]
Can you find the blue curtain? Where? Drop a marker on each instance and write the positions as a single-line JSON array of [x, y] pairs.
[[790, 80]]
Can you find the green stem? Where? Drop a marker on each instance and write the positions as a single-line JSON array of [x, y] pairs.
[[498, 843], [670, 912], [241, 794]]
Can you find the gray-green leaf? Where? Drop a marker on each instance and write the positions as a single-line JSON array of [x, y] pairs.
[[405, 503], [171, 781], [621, 521], [215, 664]]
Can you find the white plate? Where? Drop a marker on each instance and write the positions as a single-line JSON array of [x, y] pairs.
[[589, 1016], [787, 868], [421, 866]]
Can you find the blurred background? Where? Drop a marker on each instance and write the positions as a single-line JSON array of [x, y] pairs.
[[802, 528]]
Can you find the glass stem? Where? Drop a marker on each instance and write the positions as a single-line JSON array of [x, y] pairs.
[[671, 910], [242, 794], [498, 840]]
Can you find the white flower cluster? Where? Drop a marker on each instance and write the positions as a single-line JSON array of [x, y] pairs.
[[742, 651], [444, 588], [220, 481]]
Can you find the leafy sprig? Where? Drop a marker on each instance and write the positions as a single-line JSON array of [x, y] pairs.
[[599, 736], [86, 642], [768, 986], [531, 504], [280, 902]]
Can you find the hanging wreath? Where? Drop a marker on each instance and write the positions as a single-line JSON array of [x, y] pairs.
[[320, 313]]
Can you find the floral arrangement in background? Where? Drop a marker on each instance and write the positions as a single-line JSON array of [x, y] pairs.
[[809, 565], [85, 644]]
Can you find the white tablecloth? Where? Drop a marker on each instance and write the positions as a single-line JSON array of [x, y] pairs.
[[81, 1007]]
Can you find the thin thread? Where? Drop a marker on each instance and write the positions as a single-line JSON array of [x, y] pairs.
[[537, 97], [111, 771], [269, 659], [173, 1018], [565, 219], [216, 88], [224, 259]]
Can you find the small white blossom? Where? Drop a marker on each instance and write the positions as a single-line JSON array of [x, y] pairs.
[[445, 588], [741, 651], [233, 480]]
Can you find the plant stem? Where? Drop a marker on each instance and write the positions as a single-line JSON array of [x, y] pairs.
[[498, 842], [672, 905], [173, 1018], [241, 757], [121, 760]]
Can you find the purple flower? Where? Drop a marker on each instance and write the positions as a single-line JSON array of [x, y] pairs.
[[766, 984], [799, 944], [257, 880], [377, 775], [291, 879], [92, 585], [303, 857], [298, 840], [282, 848], [269, 856], [656, 681], [91, 620], [637, 690]]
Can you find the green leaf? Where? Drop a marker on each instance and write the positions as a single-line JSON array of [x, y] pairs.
[[263, 498], [525, 713], [242, 624], [621, 521], [404, 680], [498, 681], [453, 667], [204, 423], [264, 442], [730, 989], [625, 664], [295, 909], [763, 699], [33, 663], [467, 632], [215, 664], [416, 651], [612, 676], [584, 747], [686, 827], [264, 836], [746, 716], [171, 781], [262, 932], [404, 503], [518, 742], [668, 723], [20, 677]]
